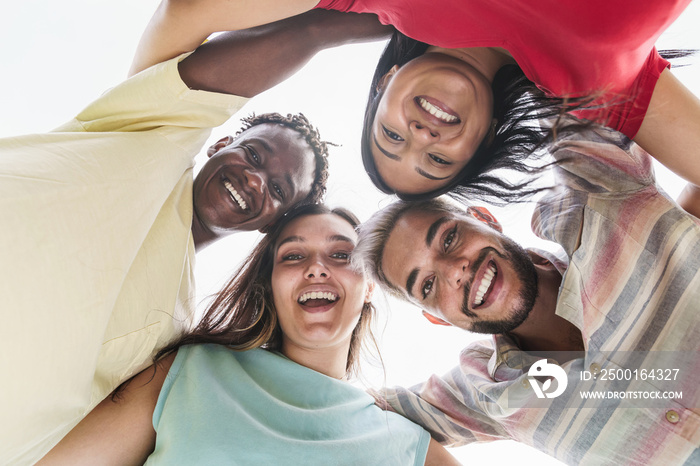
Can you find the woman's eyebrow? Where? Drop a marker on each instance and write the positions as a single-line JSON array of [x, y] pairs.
[[342, 238], [429, 176], [419, 170], [291, 239], [385, 152]]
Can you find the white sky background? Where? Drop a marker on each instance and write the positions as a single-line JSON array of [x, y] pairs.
[[59, 56]]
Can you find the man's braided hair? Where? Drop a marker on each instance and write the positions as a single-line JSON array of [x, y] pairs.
[[301, 125]]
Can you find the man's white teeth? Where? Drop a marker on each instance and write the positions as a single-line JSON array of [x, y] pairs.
[[484, 285], [327, 295], [234, 194], [436, 112]]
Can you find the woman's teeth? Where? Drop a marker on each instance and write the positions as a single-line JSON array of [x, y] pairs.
[[234, 194], [328, 296], [484, 285], [436, 112]]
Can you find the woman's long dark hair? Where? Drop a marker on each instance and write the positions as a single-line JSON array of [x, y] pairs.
[[518, 107], [243, 316]]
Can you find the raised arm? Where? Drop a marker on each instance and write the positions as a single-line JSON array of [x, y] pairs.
[[116, 432], [180, 26], [251, 61], [670, 132]]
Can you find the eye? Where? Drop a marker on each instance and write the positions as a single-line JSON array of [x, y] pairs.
[[391, 135], [292, 257], [344, 256], [449, 237], [427, 287], [439, 160], [252, 154], [276, 188]]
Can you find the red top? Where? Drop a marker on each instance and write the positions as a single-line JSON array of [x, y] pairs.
[[566, 47]]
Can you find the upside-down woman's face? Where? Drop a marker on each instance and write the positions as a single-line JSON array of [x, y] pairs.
[[433, 115], [318, 296]]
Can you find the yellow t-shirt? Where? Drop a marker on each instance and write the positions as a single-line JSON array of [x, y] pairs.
[[97, 251]]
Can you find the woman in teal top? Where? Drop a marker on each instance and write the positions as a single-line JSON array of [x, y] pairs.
[[261, 379]]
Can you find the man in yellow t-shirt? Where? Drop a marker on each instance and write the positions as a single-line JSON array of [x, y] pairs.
[[101, 220]]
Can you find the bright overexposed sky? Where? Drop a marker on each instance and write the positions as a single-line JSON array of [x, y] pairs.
[[59, 56]]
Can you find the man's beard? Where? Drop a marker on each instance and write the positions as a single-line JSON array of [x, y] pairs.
[[527, 276]]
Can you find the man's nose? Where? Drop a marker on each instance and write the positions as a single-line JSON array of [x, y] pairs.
[[255, 180], [456, 273]]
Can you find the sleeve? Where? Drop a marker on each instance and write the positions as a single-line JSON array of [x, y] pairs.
[[180, 359], [452, 407], [624, 108], [155, 98], [628, 117], [337, 5], [600, 160], [422, 447]]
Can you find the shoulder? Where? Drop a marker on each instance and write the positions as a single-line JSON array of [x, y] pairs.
[[600, 159]]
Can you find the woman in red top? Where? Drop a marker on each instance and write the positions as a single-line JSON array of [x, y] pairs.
[[441, 117]]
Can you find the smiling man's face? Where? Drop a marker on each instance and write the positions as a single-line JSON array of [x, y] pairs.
[[249, 182], [460, 270]]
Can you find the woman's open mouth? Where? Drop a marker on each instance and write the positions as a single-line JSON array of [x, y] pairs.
[[437, 110], [317, 301]]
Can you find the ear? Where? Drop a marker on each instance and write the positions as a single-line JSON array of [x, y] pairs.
[[384, 80], [435, 320], [483, 215], [220, 144], [370, 292], [539, 260]]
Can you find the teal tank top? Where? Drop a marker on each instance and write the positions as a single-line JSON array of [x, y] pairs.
[[221, 407]]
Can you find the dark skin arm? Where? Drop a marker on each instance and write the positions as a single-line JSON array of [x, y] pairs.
[[180, 26], [250, 61]]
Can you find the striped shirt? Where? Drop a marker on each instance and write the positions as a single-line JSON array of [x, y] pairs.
[[632, 286]]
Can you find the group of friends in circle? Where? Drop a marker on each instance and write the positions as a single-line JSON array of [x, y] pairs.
[[463, 91]]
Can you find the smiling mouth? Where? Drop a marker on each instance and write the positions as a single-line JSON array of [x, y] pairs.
[[485, 285], [234, 195], [317, 298], [437, 112], [318, 301]]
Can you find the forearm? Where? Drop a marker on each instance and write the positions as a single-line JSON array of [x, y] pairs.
[[116, 432], [251, 61], [181, 25], [669, 132]]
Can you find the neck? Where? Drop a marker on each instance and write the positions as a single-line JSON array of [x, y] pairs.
[[544, 330], [488, 60], [201, 235], [328, 361]]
